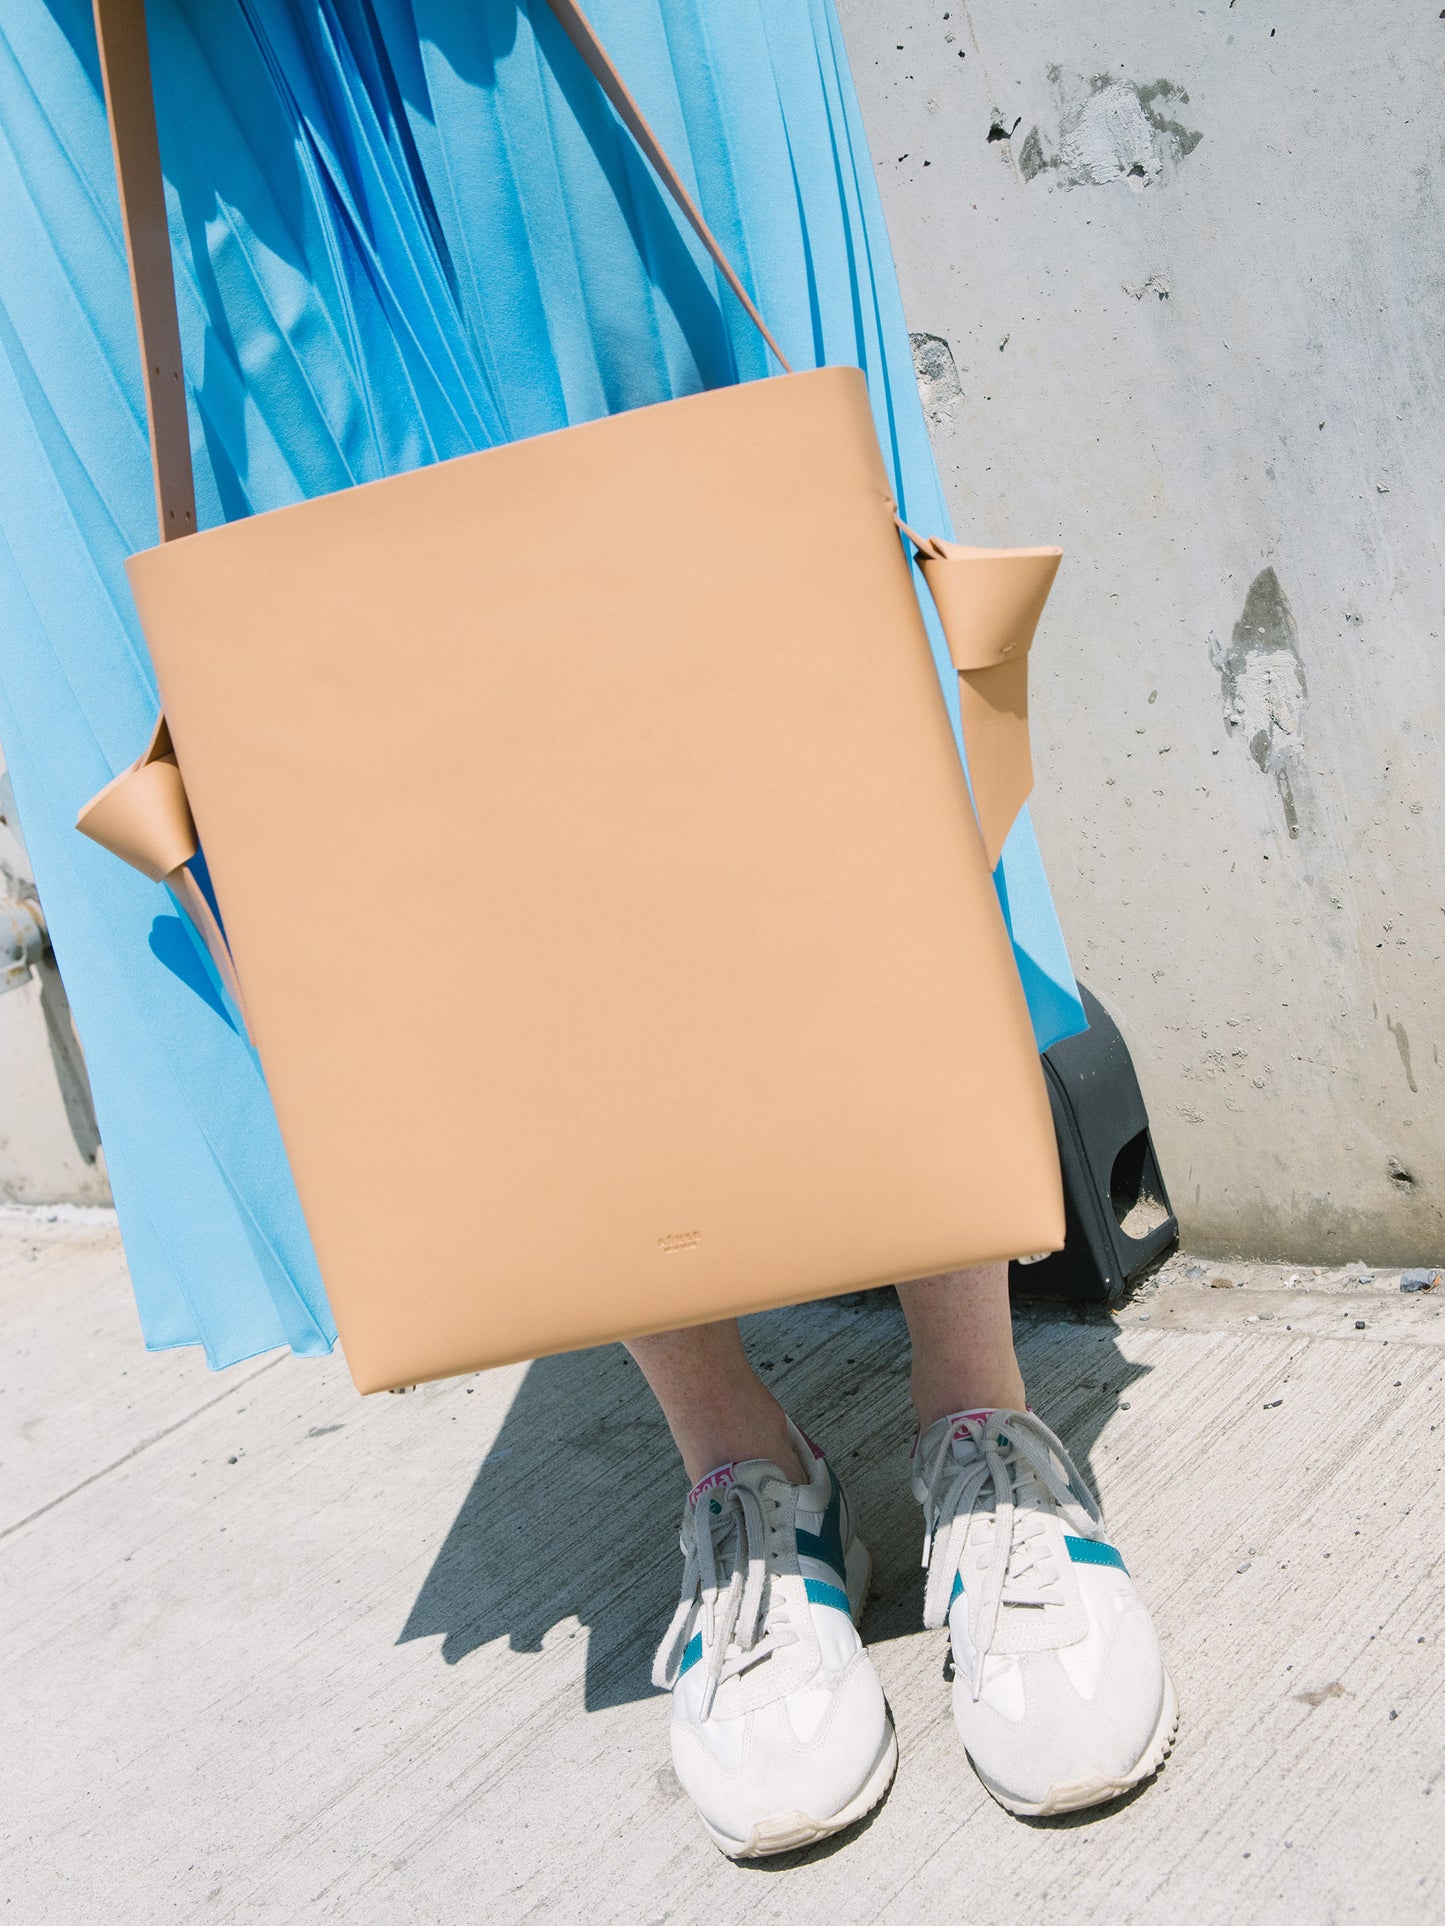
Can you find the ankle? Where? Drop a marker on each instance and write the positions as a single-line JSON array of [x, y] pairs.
[[941, 1398], [755, 1429]]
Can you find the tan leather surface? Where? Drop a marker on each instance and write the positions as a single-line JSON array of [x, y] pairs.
[[710, 1003], [120, 32], [973, 602], [143, 815], [989, 601], [704, 1001]]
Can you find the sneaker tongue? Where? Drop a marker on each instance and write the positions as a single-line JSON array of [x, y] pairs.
[[752, 1472], [960, 1439], [716, 1482]]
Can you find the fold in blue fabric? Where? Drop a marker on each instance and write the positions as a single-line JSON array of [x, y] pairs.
[[403, 230]]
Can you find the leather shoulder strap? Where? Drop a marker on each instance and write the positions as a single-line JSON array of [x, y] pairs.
[[120, 30], [581, 33]]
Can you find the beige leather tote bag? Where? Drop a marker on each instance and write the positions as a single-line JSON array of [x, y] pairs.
[[704, 1001]]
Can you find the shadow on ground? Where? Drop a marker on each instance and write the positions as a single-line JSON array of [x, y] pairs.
[[574, 1511]]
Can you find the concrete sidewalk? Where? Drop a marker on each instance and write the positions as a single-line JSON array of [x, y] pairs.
[[273, 1653]]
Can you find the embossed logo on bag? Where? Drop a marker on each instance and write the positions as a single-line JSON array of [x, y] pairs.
[[680, 1241]]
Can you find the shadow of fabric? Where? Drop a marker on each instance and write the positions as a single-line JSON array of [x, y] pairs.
[[173, 946], [574, 1511], [527, 196]]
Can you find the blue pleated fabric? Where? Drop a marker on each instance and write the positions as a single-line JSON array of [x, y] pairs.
[[404, 230]]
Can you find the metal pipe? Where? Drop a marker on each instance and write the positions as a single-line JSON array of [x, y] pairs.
[[23, 941]]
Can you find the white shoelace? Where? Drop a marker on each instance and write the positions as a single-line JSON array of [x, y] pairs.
[[724, 1563], [1015, 1457]]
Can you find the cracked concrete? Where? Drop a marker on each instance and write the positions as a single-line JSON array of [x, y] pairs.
[[274, 1653], [1109, 130], [1221, 394]]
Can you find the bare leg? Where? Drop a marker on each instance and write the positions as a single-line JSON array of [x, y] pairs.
[[718, 1409], [716, 1406], [963, 1348]]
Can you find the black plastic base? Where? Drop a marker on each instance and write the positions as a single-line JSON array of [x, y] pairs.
[[1118, 1220]]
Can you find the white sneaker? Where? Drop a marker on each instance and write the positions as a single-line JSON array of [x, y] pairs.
[[780, 1731], [1059, 1692]]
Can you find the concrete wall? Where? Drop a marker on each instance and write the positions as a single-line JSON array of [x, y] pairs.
[[49, 1146], [1177, 272]]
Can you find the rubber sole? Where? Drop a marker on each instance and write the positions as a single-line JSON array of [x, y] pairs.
[[789, 1831], [1079, 1794]]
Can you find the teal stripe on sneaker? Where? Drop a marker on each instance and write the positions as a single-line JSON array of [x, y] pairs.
[[826, 1544], [692, 1652], [957, 1591], [821, 1594], [1089, 1551]]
